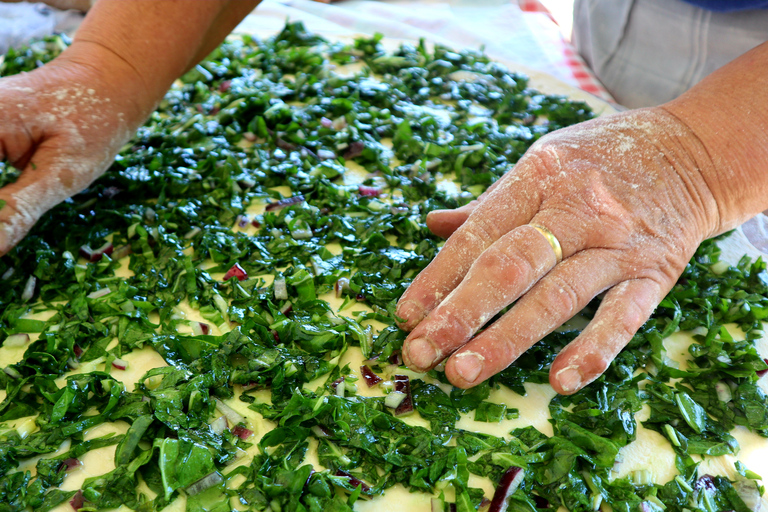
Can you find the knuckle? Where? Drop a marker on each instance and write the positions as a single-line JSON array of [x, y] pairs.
[[557, 300]]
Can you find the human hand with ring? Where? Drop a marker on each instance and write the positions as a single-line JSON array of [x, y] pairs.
[[617, 205]]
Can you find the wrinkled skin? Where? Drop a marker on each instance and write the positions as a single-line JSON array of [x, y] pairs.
[[626, 199], [62, 124]]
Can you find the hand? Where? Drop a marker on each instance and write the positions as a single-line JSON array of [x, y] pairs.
[[62, 124], [626, 197]]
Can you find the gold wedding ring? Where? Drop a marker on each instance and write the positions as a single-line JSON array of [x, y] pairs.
[[552, 239]]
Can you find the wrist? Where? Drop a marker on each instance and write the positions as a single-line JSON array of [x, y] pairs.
[[102, 70]]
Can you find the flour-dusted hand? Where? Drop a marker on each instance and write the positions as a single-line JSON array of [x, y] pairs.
[[617, 205], [624, 197], [61, 125]]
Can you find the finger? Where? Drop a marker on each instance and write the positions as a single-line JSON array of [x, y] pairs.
[[625, 308], [505, 208], [498, 277], [554, 300], [48, 179], [444, 222]]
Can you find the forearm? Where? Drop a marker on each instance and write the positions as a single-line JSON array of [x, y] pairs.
[[157, 40], [728, 113]]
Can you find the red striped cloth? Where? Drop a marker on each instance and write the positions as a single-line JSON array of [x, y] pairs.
[[571, 60]]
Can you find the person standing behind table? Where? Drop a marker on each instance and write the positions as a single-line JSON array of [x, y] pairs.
[[647, 52]]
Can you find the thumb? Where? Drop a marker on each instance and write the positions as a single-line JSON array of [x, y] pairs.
[[50, 177]]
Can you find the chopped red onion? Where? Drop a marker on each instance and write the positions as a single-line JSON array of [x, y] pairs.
[[360, 297], [16, 340], [325, 122], [7, 274], [282, 203], [354, 149], [120, 364], [236, 271], [370, 378], [367, 191], [204, 484], [200, 328], [243, 220], [760, 373], [540, 501], [29, 289], [356, 482], [403, 385], [225, 85], [232, 415], [508, 484], [396, 358], [242, 432], [94, 255], [705, 483], [219, 425], [276, 336], [99, 293], [287, 308], [77, 500], [69, 463], [281, 290], [341, 285], [256, 224], [250, 137], [77, 350], [484, 504]]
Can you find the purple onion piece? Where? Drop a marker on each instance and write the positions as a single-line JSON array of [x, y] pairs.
[[282, 203], [371, 379], [77, 500], [367, 191], [354, 149], [760, 373], [705, 483], [69, 463], [508, 484], [341, 285], [236, 271], [242, 432], [354, 481], [403, 385]]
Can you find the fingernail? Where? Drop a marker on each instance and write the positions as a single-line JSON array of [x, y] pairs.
[[411, 313], [469, 365], [569, 378], [422, 354]]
